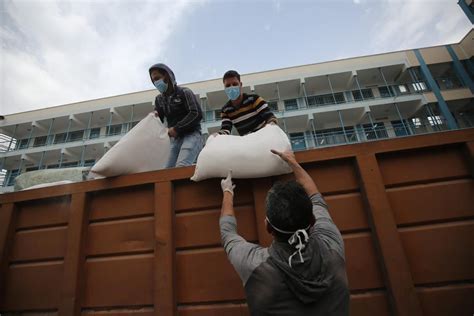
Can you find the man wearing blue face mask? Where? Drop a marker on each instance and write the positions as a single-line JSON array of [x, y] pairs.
[[183, 114], [247, 112]]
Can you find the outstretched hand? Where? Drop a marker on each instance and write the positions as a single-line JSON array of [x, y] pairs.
[[287, 156], [227, 185]]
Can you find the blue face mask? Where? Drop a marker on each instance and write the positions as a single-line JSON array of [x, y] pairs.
[[233, 92], [161, 85]]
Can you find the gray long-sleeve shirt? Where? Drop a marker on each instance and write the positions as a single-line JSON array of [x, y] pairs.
[[316, 287]]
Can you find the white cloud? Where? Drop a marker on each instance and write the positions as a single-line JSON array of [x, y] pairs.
[[277, 5], [356, 1], [402, 24], [56, 52]]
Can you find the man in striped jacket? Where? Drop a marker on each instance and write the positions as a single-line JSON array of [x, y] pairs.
[[247, 112]]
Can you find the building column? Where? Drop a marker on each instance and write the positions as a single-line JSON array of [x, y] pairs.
[[414, 80], [279, 97], [443, 106], [360, 133], [459, 68], [41, 160], [467, 10], [358, 86], [107, 129], [81, 162], [131, 117], [385, 81], [88, 129], [68, 128], [31, 134], [332, 91], [21, 165], [342, 124], [314, 133], [401, 119], [305, 95], [61, 155], [48, 140], [372, 124], [12, 137]]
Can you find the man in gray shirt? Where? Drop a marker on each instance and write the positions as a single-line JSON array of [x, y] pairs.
[[303, 271]]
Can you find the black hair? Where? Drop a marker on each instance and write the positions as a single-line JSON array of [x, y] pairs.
[[288, 207], [231, 74]]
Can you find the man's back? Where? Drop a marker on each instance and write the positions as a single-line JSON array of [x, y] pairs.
[[315, 286], [268, 292]]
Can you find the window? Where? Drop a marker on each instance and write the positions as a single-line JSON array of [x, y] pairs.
[[334, 136], [416, 121], [89, 162], [298, 141], [467, 117], [11, 175], [449, 83], [217, 115], [403, 88], [419, 86], [210, 116], [70, 164], [467, 66], [366, 93], [376, 131], [23, 143], [401, 128], [75, 136], [435, 120], [59, 138], [32, 168], [54, 166], [326, 99], [40, 141], [273, 106], [114, 129], [291, 104], [386, 92], [94, 133]]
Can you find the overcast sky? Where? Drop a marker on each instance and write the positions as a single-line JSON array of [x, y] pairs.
[[58, 52]]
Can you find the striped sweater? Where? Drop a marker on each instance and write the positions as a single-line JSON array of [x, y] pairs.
[[252, 114]]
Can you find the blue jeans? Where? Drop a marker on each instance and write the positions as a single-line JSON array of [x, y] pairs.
[[185, 150]]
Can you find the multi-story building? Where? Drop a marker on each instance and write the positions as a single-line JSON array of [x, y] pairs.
[[468, 7], [367, 98]]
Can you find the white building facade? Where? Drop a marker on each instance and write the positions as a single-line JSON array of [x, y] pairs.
[[396, 94]]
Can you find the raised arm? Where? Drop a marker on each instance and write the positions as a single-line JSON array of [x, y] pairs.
[[324, 226], [228, 196], [243, 255]]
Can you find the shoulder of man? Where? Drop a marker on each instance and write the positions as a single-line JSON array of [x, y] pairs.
[[228, 107], [186, 92], [250, 98], [254, 99]]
